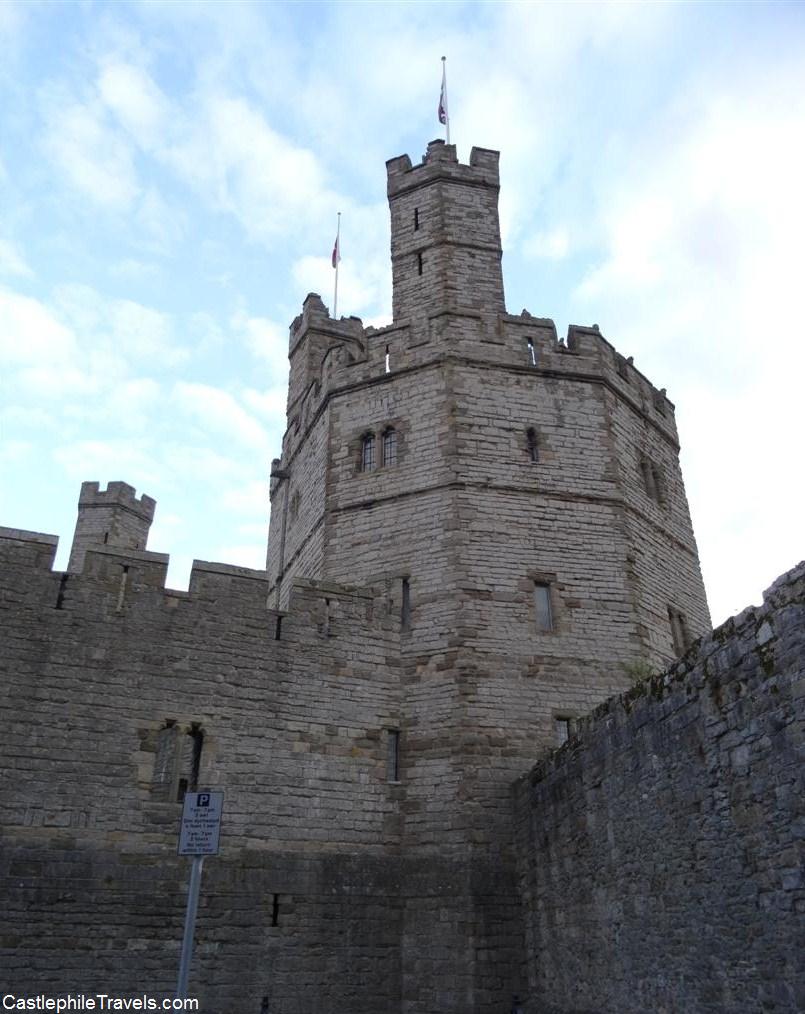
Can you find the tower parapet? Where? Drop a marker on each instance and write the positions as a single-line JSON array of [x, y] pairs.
[[113, 517]]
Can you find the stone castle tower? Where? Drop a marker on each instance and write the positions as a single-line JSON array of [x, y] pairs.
[[518, 497], [478, 535]]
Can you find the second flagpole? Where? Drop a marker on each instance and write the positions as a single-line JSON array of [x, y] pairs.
[[336, 259]]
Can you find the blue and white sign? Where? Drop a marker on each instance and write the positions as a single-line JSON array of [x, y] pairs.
[[201, 823]]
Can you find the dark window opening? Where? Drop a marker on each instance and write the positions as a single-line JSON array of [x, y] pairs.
[[419, 263], [390, 447], [181, 791], [393, 755], [533, 444], [105, 538], [416, 219], [648, 478], [197, 735], [653, 479], [278, 629], [275, 910], [405, 606], [543, 609], [368, 453]]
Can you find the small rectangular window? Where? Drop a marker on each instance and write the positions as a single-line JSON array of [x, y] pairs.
[[419, 263], [563, 727], [680, 635], [532, 352], [647, 472], [393, 755], [416, 219], [542, 604]]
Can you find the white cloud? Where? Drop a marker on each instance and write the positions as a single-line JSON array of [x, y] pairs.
[[219, 413], [11, 260], [553, 245], [95, 158], [136, 101], [249, 498], [31, 334]]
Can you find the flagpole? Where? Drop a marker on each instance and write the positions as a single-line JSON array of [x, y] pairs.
[[444, 93], [337, 260]]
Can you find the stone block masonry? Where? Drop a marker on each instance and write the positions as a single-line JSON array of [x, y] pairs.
[[662, 849], [476, 530]]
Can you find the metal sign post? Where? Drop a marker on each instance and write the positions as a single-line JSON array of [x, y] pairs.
[[201, 829]]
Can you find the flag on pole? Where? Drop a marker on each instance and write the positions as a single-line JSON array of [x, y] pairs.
[[335, 259], [444, 115], [443, 95]]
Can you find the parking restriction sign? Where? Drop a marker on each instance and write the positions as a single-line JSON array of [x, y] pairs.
[[201, 823]]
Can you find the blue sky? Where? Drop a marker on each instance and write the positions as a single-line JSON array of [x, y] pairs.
[[170, 175]]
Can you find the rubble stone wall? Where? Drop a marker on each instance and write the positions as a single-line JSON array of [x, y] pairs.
[[661, 849]]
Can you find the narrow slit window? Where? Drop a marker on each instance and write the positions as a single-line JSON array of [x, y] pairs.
[[196, 734], [388, 360], [405, 606], [680, 635], [543, 608], [368, 453], [532, 352], [419, 263], [278, 629], [393, 755], [659, 483], [390, 447], [275, 910], [532, 443], [416, 219]]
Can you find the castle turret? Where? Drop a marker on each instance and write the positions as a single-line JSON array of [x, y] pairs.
[[445, 232], [111, 517]]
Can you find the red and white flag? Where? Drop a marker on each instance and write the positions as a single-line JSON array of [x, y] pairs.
[[336, 251], [444, 113]]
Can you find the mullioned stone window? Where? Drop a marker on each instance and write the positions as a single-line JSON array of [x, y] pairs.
[[389, 447], [373, 452], [368, 452]]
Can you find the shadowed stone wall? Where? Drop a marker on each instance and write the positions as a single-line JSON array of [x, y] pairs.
[[661, 849]]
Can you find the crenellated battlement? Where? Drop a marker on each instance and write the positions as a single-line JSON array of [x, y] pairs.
[[117, 494], [440, 161], [115, 580]]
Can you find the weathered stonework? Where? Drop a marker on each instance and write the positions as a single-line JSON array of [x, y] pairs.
[[435, 613], [661, 849]]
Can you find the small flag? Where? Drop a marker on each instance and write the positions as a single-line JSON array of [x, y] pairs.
[[443, 97], [336, 252]]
